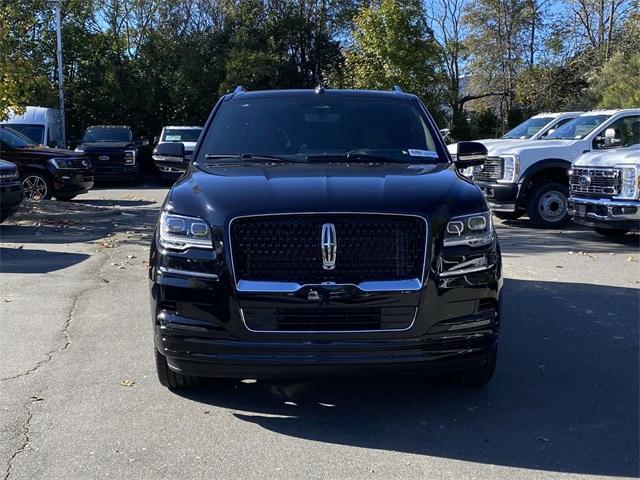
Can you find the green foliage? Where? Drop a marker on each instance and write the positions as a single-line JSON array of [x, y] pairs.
[[619, 82]]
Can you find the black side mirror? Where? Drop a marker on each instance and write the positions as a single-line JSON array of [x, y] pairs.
[[169, 152], [142, 142], [470, 154], [156, 139]]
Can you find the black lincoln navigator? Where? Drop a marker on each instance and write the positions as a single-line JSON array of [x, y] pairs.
[[324, 232]]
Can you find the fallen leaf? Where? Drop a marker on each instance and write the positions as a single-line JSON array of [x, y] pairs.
[[127, 382]]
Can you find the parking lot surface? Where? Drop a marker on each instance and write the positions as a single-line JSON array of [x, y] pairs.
[[79, 398]]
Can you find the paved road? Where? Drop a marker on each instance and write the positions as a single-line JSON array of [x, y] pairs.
[[79, 398]]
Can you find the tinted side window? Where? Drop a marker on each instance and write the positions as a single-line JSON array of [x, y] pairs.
[[626, 133]]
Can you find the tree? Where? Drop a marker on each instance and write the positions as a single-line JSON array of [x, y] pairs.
[[619, 82], [392, 45]]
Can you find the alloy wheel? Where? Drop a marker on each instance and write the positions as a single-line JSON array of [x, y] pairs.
[[35, 187]]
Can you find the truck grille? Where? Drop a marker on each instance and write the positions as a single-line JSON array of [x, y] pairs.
[[491, 170], [287, 248], [328, 319], [595, 181]]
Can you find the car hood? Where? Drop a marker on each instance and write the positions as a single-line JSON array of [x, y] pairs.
[[610, 158], [40, 152], [219, 193], [105, 146], [4, 165], [538, 149], [490, 143]]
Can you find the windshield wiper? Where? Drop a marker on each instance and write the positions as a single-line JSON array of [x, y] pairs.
[[363, 155], [248, 156]]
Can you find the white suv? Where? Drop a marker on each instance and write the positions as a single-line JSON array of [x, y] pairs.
[[533, 177]]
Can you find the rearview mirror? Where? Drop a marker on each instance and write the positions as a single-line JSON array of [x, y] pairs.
[[470, 154]]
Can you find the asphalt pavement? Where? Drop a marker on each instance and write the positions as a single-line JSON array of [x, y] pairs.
[[79, 398]]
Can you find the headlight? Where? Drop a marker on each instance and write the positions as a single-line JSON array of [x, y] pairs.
[[474, 230], [79, 150], [62, 162], [179, 233], [129, 157], [511, 168], [630, 186]]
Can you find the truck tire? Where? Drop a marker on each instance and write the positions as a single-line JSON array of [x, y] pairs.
[[483, 374], [611, 232], [508, 215], [170, 379], [547, 207], [36, 185]]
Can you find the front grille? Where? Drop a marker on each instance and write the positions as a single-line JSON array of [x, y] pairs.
[[9, 176], [490, 170], [595, 181], [115, 158], [287, 248], [328, 319]]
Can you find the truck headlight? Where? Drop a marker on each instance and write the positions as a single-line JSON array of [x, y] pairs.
[[473, 230], [62, 162], [178, 232], [511, 168], [129, 157], [630, 185]]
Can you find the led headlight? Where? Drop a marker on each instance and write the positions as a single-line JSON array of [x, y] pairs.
[[511, 168], [474, 230], [179, 233], [62, 162], [129, 157], [630, 185]]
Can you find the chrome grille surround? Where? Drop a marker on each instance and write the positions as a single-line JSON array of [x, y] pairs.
[[492, 169], [595, 181]]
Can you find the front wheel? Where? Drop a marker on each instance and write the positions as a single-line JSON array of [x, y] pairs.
[[611, 232], [37, 186], [170, 379], [547, 206]]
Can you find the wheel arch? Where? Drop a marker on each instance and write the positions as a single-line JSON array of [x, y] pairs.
[[549, 170]]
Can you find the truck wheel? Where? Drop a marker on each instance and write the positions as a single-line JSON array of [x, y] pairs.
[[547, 206], [611, 232], [508, 215], [170, 379], [36, 186], [483, 374]]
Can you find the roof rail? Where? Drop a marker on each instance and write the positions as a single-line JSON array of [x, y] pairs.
[[397, 89], [239, 89]]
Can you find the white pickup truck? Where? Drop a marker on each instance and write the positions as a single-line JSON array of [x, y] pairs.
[[533, 177], [605, 189]]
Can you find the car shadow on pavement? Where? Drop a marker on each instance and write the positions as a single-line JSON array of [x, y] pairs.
[[564, 398], [22, 260], [117, 202]]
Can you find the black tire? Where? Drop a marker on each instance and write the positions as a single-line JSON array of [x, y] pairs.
[[481, 375], [611, 232], [547, 207], [170, 379], [36, 185], [4, 216], [508, 215], [65, 198]]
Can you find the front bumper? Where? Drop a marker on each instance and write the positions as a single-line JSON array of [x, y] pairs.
[[501, 197], [11, 197], [72, 181], [197, 315], [605, 213]]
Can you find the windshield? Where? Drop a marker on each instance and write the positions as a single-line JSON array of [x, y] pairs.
[[528, 128], [578, 128], [12, 139], [181, 134], [34, 132], [321, 127], [107, 134]]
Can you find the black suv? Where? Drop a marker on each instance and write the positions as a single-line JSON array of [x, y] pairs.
[[45, 172], [324, 232], [10, 189], [114, 153]]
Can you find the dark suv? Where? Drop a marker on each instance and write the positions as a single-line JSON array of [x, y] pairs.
[[46, 172], [324, 232], [114, 153]]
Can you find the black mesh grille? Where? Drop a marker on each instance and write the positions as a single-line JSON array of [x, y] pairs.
[[324, 319], [490, 170], [286, 248]]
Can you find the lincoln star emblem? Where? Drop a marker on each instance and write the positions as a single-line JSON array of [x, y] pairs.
[[329, 246], [103, 157], [584, 181]]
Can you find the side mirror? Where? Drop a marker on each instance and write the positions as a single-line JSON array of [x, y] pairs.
[[156, 140], [610, 137], [142, 141], [470, 154], [172, 152]]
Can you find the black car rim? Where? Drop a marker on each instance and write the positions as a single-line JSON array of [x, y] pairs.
[[35, 187]]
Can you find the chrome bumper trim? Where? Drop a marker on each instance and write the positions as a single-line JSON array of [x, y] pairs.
[[609, 204], [188, 273], [292, 287], [465, 271]]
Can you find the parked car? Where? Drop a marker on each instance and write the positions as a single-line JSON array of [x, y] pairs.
[[168, 167], [605, 189], [113, 152], [533, 177], [10, 189], [46, 172], [324, 232], [42, 125]]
